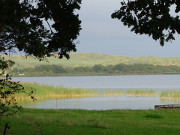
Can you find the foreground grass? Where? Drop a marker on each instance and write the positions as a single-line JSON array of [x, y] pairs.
[[81, 122]]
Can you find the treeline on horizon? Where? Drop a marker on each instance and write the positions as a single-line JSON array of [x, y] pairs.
[[118, 69], [91, 59]]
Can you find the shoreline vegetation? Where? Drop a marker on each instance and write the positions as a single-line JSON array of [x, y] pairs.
[[119, 69], [44, 92]]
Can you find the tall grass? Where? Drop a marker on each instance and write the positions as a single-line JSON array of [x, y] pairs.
[[112, 93], [170, 95], [130, 92], [42, 92], [140, 93]]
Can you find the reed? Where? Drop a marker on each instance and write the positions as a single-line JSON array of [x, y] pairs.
[[172, 95], [129, 92], [43, 92], [113, 93], [141, 93]]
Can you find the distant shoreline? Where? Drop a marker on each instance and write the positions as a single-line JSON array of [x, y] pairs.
[[92, 75]]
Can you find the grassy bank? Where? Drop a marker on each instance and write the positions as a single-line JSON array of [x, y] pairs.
[[81, 122]]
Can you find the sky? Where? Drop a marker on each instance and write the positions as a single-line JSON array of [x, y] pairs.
[[101, 34]]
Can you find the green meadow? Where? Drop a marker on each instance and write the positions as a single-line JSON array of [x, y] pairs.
[[83, 122]]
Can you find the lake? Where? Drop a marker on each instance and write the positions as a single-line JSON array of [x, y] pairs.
[[100, 103], [109, 82], [156, 82]]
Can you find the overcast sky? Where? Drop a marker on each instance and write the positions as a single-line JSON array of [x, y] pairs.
[[101, 34]]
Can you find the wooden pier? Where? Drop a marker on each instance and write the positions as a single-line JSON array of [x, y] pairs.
[[170, 106]]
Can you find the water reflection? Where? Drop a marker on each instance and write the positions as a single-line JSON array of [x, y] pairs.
[[101, 103]]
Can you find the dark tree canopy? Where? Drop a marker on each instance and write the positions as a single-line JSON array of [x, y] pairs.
[[9, 89], [151, 17], [39, 28]]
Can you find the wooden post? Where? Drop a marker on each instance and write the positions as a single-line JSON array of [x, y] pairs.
[[56, 103], [6, 127]]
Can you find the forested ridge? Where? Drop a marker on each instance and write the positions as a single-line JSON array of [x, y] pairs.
[[119, 69], [95, 64]]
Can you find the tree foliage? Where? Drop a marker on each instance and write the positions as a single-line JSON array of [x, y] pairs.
[[8, 89], [151, 17], [8, 104], [118, 69], [39, 28]]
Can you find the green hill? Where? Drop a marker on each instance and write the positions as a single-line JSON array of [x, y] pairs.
[[91, 59], [93, 63]]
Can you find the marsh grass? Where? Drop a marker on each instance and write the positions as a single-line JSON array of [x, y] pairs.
[[112, 93], [44, 92], [141, 93], [130, 92], [172, 95]]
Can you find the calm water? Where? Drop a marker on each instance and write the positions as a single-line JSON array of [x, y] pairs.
[[100, 103], [157, 82], [109, 82]]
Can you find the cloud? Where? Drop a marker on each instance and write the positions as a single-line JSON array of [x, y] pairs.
[[101, 34]]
